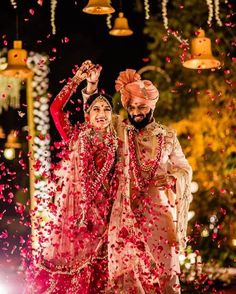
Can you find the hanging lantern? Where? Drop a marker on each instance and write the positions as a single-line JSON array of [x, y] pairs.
[[12, 140], [2, 134], [121, 26], [10, 146], [17, 66], [201, 54], [98, 7]]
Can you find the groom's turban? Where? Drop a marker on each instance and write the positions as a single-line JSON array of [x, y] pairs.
[[131, 87]]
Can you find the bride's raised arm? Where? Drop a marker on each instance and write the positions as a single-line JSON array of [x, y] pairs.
[[92, 79], [57, 107]]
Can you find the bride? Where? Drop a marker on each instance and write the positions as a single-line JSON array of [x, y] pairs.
[[73, 245]]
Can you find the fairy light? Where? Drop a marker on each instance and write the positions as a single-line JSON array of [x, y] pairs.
[[210, 11], [14, 3], [147, 9], [53, 5], [179, 38], [164, 13], [108, 21], [166, 23], [217, 12], [205, 233], [53, 12]]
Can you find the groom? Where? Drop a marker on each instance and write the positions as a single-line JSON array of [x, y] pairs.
[[159, 184]]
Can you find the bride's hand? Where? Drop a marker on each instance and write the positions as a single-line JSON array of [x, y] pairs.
[[94, 74], [88, 71], [83, 72]]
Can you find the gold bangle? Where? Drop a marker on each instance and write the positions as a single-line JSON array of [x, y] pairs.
[[77, 79]]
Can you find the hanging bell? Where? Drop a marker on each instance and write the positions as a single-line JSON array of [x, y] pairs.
[[121, 26], [98, 7], [201, 54], [12, 140], [17, 66]]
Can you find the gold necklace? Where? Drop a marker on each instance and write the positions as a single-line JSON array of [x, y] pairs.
[[146, 167]]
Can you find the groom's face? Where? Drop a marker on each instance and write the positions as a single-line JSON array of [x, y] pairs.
[[139, 114]]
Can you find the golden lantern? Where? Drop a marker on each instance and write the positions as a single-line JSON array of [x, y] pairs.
[[121, 26], [17, 66], [98, 7], [201, 54], [10, 146], [12, 140], [2, 134]]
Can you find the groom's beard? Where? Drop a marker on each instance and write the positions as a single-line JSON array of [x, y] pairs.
[[142, 123]]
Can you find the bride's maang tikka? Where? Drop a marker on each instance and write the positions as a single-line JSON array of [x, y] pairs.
[[99, 98]]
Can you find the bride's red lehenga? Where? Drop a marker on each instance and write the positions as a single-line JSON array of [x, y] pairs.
[[72, 257]]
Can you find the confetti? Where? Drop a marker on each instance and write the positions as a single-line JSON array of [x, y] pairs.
[[31, 11], [20, 113]]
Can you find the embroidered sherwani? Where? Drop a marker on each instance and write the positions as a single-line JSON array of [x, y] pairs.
[[146, 224]]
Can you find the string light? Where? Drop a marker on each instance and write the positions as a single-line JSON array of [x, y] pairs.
[[53, 13], [179, 38], [210, 11], [108, 20], [217, 11], [164, 3], [14, 3], [166, 23], [147, 9], [164, 13]]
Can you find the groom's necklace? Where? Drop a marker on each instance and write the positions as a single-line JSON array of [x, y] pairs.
[[138, 167]]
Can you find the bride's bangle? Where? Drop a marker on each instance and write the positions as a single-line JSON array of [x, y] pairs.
[[77, 79]]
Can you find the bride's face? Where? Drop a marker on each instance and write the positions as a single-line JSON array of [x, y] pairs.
[[100, 115]]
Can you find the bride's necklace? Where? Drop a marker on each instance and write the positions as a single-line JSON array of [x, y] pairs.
[[88, 140]]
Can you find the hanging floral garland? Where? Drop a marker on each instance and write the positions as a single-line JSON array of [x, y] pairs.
[[38, 63]]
